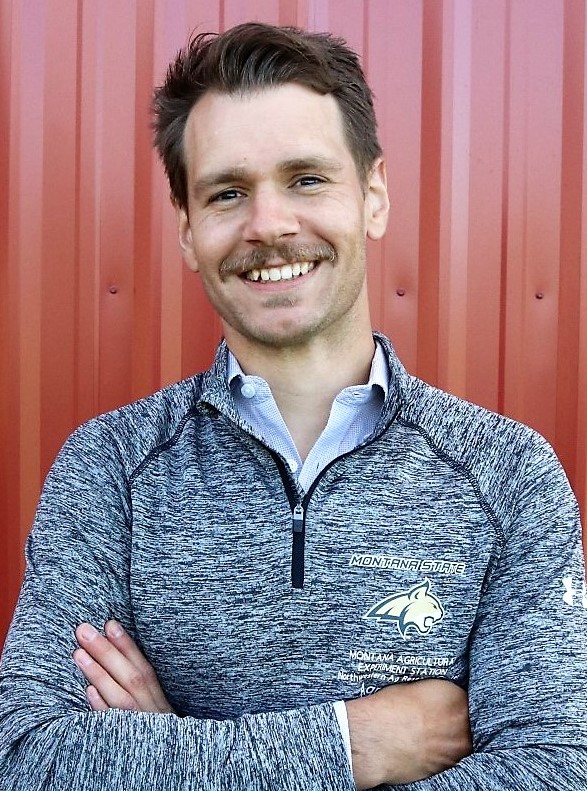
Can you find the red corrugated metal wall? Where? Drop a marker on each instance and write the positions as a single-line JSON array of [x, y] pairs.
[[481, 280]]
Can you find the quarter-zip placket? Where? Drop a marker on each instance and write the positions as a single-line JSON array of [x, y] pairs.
[[299, 506], [298, 513], [298, 520]]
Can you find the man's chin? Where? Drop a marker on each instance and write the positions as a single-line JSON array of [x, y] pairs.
[[289, 335]]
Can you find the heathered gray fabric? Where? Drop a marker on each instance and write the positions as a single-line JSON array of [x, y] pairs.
[[168, 515]]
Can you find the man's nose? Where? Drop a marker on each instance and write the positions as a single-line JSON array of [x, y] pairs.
[[271, 216]]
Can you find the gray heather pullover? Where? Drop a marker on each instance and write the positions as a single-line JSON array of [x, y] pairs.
[[447, 545]]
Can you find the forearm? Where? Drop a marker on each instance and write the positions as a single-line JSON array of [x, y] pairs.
[[116, 750], [407, 732]]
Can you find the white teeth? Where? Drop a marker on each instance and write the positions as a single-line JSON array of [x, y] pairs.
[[276, 273]]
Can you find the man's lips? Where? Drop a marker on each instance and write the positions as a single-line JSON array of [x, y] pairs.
[[277, 257]]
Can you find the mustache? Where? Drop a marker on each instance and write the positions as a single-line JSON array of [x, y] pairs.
[[283, 252]]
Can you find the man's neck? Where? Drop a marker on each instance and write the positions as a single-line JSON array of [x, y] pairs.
[[305, 380]]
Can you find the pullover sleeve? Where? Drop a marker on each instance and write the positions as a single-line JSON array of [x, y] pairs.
[[78, 558], [528, 648]]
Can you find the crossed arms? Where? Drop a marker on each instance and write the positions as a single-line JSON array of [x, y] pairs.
[[531, 736], [399, 735]]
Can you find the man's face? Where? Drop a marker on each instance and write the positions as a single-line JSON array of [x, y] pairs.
[[278, 217]]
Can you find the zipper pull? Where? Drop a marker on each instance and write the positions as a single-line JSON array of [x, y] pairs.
[[298, 519]]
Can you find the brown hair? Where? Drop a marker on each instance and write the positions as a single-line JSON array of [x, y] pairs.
[[253, 56]]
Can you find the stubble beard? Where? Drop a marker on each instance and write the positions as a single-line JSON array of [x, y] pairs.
[[290, 336]]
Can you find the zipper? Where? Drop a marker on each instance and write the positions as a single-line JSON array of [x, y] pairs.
[[298, 507], [298, 546], [298, 519], [298, 512], [298, 516]]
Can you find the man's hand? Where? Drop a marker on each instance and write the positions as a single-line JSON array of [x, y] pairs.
[[120, 677], [408, 732]]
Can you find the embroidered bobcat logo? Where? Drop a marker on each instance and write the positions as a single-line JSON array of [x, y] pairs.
[[417, 608]]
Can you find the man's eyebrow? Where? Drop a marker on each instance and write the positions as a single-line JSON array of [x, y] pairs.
[[311, 163], [228, 176]]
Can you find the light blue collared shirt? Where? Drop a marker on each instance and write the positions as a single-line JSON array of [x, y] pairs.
[[353, 417]]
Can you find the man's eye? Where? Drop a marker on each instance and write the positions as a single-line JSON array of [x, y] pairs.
[[225, 196], [309, 181]]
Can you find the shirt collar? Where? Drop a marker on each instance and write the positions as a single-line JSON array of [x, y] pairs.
[[378, 374]]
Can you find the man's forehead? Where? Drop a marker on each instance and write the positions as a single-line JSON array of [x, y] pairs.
[[285, 127], [218, 112]]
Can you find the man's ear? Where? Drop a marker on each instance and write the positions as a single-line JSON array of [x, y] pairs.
[[186, 242], [376, 201]]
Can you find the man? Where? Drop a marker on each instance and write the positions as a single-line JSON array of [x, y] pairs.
[[293, 533]]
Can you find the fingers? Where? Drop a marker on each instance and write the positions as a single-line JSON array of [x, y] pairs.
[[99, 649], [103, 688], [119, 674], [96, 700], [146, 677]]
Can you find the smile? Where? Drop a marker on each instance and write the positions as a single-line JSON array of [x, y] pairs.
[[276, 273]]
